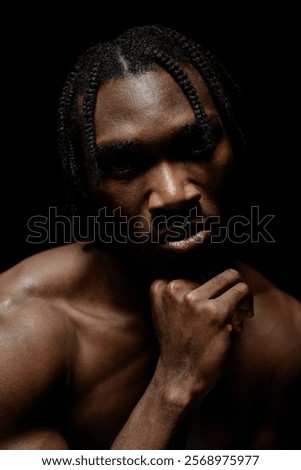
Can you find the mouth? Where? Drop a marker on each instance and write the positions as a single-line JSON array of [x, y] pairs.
[[184, 238], [187, 244]]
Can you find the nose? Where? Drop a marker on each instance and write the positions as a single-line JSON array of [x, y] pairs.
[[171, 188]]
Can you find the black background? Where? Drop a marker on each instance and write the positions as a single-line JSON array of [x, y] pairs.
[[261, 49]]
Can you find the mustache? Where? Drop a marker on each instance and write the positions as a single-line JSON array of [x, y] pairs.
[[175, 227], [175, 223]]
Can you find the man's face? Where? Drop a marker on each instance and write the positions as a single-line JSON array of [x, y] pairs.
[[156, 175]]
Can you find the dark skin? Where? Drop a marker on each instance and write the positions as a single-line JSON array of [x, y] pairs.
[[107, 349]]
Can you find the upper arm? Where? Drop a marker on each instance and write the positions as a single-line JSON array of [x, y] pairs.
[[32, 377]]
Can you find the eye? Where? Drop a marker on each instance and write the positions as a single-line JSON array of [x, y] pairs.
[[117, 167], [198, 149], [120, 167], [200, 153]]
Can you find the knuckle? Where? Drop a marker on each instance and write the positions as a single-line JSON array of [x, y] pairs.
[[174, 286], [157, 286], [191, 299]]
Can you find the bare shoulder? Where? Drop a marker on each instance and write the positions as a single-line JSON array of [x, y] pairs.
[[272, 299], [35, 294], [36, 334], [274, 333], [48, 273]]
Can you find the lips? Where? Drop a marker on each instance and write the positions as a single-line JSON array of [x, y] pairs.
[[178, 232], [188, 244], [183, 237]]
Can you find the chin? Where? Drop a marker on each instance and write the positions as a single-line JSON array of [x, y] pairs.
[[187, 259]]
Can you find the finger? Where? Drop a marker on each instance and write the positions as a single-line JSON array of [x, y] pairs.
[[233, 297], [178, 288], [237, 321], [218, 284], [158, 285], [156, 289], [246, 306], [244, 309]]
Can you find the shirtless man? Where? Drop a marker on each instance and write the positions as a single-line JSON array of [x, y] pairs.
[[152, 343]]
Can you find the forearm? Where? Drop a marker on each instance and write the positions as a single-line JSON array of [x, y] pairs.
[[157, 420], [193, 325]]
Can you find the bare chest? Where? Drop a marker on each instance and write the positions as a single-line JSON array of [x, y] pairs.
[[100, 405], [113, 367]]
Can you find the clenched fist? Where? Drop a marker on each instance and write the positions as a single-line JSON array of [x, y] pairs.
[[194, 324]]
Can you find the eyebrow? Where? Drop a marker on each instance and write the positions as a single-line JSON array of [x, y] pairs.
[[120, 147]]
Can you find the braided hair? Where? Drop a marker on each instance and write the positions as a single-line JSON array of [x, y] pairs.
[[137, 50]]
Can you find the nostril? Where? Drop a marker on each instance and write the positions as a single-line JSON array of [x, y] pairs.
[[171, 187], [173, 202], [186, 209]]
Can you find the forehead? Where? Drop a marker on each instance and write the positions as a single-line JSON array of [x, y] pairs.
[[146, 105]]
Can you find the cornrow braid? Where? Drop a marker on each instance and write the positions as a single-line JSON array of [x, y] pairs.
[[66, 148], [214, 74], [181, 77], [88, 119]]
